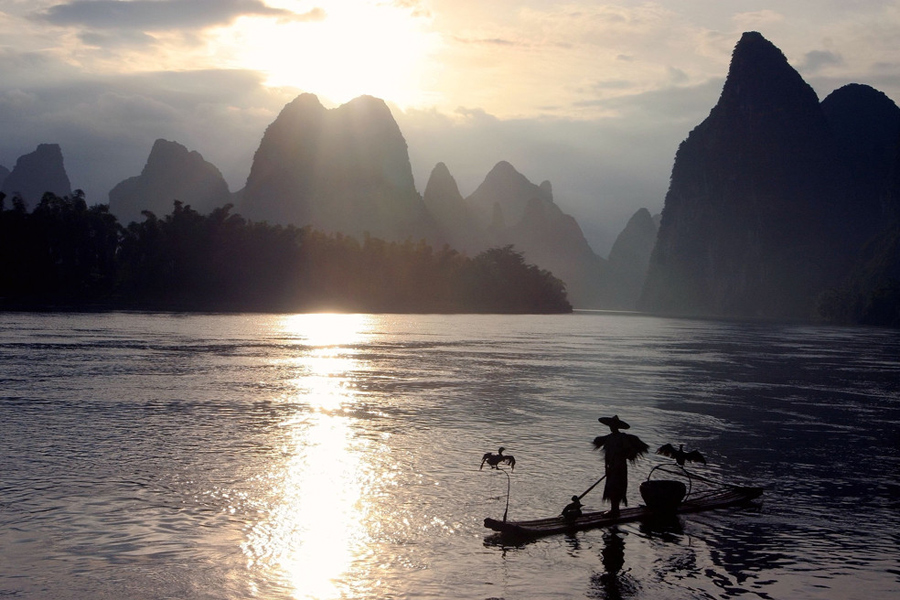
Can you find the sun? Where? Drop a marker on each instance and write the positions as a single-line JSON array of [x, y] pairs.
[[344, 50]]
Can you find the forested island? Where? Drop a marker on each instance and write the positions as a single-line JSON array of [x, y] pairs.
[[66, 255]]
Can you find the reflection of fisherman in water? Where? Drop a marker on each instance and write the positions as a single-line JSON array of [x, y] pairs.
[[613, 553], [618, 449], [612, 584], [572, 509]]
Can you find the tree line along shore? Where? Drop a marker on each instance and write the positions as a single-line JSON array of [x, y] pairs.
[[66, 255]]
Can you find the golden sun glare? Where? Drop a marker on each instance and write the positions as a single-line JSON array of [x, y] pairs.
[[357, 48]]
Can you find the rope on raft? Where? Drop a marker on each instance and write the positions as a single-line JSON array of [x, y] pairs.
[[691, 477]]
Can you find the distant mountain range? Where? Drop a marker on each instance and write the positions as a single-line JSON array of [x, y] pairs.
[[508, 209], [348, 170], [779, 206]]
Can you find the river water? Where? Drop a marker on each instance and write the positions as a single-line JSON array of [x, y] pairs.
[[337, 456]]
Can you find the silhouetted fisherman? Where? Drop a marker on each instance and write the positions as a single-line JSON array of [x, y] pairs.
[[573, 509], [618, 449]]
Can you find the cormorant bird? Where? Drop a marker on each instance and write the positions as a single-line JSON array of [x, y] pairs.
[[495, 459], [680, 455]]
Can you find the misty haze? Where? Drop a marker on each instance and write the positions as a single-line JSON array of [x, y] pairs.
[[426, 299]]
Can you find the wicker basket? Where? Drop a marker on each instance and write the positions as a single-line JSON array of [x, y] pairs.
[[663, 495]]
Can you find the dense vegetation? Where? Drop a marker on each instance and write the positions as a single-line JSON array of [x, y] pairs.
[[65, 254]]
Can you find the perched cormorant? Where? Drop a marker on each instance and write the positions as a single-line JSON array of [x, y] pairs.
[[680, 455], [495, 459]]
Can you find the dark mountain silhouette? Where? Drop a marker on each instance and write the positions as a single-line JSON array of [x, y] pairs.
[[866, 124], [36, 173], [4, 173], [755, 217], [628, 261], [172, 173], [342, 170], [453, 217], [866, 128], [512, 210]]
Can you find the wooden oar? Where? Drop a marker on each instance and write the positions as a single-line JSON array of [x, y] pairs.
[[592, 487]]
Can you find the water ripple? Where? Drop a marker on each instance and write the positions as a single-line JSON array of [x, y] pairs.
[[198, 456]]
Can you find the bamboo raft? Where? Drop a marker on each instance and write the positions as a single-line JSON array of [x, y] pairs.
[[731, 496]]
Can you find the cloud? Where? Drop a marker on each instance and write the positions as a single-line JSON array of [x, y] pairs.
[[608, 84], [162, 15], [29, 69], [476, 116], [118, 39], [817, 59], [416, 7], [757, 20], [605, 25], [16, 101], [496, 41], [677, 76]]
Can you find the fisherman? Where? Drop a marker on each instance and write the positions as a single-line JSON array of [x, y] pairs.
[[618, 449], [573, 509]]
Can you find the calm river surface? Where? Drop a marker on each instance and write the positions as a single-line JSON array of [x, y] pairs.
[[321, 457]]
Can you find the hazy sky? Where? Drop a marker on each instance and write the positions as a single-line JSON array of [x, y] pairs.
[[594, 96]]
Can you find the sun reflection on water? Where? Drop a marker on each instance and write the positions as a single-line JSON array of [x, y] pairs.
[[313, 527], [328, 329]]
